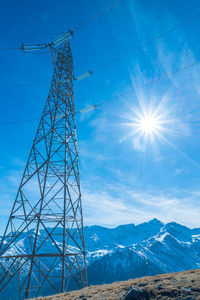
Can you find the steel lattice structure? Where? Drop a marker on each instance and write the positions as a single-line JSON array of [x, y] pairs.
[[48, 199]]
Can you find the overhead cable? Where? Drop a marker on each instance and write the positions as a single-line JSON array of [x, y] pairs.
[[90, 72], [95, 106], [60, 39]]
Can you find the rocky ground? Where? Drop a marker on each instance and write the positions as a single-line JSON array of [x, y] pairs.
[[182, 285]]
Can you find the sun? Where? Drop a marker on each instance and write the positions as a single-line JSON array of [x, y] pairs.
[[151, 126], [148, 124]]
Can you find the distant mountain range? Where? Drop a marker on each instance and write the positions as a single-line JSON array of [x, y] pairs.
[[130, 251]]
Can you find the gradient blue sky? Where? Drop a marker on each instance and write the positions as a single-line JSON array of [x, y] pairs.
[[124, 179]]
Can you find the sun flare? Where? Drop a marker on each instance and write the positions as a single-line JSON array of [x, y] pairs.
[[148, 124]]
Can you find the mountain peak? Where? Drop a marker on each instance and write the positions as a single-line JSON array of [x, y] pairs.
[[156, 221]]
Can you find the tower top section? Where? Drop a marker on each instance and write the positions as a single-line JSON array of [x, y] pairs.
[[54, 43]]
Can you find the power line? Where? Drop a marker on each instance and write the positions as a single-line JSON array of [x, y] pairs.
[[7, 49], [80, 25], [17, 122], [96, 106], [168, 75], [118, 57], [23, 85], [98, 14], [113, 60], [83, 110]]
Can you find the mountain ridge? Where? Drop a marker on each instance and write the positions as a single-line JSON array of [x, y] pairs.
[[131, 251]]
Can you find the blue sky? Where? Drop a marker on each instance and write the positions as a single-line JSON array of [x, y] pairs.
[[124, 178]]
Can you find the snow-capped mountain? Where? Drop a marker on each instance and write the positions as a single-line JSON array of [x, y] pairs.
[[149, 248], [130, 251]]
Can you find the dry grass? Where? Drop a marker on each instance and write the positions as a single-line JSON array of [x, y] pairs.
[[182, 285]]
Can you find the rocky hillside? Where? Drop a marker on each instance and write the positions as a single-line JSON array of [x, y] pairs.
[[182, 285]]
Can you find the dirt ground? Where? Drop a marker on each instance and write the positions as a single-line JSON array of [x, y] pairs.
[[182, 285]]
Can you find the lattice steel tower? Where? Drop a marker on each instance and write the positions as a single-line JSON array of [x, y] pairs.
[[47, 211]]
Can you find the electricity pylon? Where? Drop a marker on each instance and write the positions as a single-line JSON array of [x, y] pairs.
[[47, 209]]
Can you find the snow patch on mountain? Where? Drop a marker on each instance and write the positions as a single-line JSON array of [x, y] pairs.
[[195, 238], [94, 237], [161, 237]]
